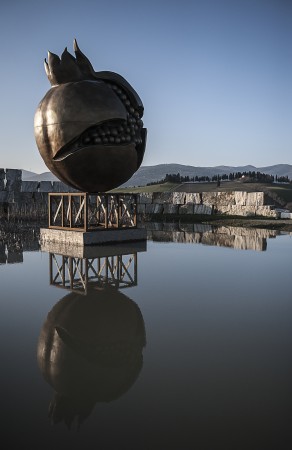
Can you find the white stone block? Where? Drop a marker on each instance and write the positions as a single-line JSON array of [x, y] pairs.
[[203, 209], [45, 186], [154, 209], [194, 197], [3, 196], [209, 198], [225, 199], [179, 198], [29, 186], [141, 209], [145, 197], [255, 199], [13, 175], [240, 198], [285, 215], [162, 197]]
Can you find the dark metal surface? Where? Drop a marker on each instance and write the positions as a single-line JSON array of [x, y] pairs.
[[90, 350], [88, 127]]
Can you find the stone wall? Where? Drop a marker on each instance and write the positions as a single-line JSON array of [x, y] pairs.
[[11, 181], [29, 199], [239, 203], [26, 199]]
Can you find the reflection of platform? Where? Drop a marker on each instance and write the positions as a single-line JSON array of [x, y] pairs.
[[79, 268], [86, 238]]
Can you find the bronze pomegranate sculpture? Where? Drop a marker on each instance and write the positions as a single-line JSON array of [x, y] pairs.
[[88, 127]]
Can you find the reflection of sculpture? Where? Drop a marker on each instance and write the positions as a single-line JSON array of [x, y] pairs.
[[88, 127], [90, 350]]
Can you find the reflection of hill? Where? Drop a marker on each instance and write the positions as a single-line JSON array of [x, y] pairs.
[[233, 237], [90, 350]]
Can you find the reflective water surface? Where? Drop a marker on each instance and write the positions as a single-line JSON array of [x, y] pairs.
[[181, 343]]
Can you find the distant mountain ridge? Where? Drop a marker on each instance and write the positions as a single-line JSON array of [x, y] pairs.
[[32, 176], [149, 174]]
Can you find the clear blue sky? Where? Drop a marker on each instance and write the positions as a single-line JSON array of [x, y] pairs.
[[215, 76]]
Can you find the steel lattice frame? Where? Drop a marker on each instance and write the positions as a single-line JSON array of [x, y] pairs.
[[86, 212], [72, 273]]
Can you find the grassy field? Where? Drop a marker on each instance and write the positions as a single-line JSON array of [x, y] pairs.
[[283, 191], [165, 187]]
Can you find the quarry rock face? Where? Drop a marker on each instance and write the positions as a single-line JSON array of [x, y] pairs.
[[30, 199]]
